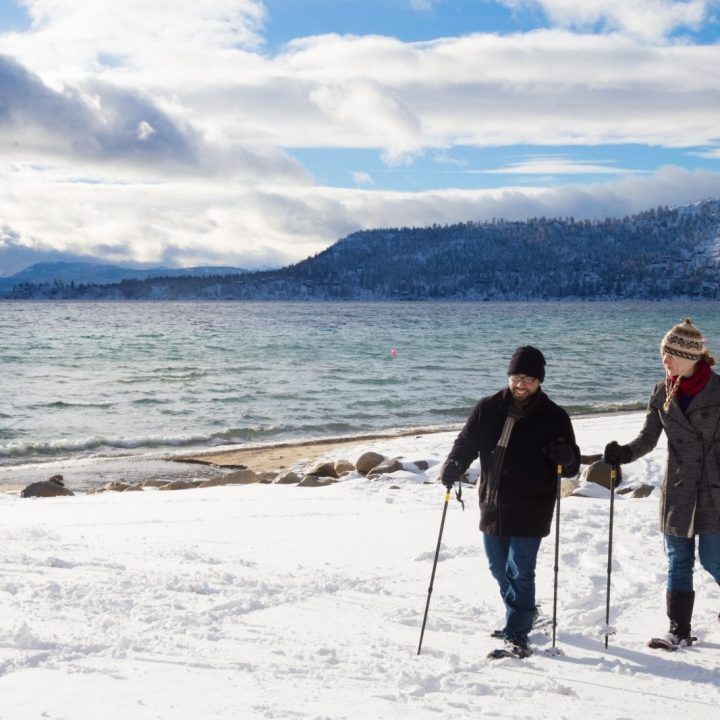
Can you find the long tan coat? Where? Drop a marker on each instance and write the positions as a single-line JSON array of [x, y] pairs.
[[690, 502]]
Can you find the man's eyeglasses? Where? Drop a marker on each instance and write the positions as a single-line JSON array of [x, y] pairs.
[[522, 379]]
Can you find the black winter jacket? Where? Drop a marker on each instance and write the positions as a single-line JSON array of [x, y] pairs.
[[528, 480]]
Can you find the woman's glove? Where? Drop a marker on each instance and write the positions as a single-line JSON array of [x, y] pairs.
[[616, 454]]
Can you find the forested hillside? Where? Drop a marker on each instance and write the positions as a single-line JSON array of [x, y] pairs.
[[660, 253]]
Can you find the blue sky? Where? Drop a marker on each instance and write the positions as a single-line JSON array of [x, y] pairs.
[[257, 133]]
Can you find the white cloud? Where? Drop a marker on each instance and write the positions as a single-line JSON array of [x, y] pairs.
[[558, 165], [362, 178], [545, 87], [189, 224], [145, 130], [423, 5], [641, 18]]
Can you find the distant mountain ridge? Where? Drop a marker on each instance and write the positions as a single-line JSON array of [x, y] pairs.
[[103, 274], [660, 253]]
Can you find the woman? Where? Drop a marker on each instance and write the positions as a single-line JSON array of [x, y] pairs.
[[686, 405]]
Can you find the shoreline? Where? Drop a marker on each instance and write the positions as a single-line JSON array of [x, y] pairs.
[[264, 458], [282, 456], [83, 474]]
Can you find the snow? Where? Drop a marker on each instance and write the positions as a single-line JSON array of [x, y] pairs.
[[267, 601]]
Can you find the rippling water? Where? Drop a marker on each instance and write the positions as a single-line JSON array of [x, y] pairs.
[[82, 379]]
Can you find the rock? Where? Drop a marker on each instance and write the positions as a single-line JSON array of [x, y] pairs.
[[599, 473], [54, 487], [238, 477], [386, 467], [568, 486], [316, 481], [287, 478], [242, 477], [266, 477], [367, 461], [326, 469], [178, 485], [343, 467], [418, 467], [116, 486], [638, 491], [133, 488], [589, 459], [154, 483]]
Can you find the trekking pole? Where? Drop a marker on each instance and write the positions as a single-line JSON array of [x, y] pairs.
[[432, 577], [613, 476], [554, 650]]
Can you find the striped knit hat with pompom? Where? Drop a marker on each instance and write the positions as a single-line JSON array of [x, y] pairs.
[[687, 345], [684, 342]]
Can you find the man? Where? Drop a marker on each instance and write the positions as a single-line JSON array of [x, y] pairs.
[[521, 437]]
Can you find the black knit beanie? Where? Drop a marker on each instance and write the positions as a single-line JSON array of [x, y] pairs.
[[527, 360]]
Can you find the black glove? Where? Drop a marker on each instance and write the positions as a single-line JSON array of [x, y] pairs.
[[450, 474], [616, 454], [560, 452]]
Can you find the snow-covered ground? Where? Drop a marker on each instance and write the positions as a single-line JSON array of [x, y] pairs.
[[284, 602]]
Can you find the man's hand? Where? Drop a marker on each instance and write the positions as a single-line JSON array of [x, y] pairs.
[[560, 452], [450, 474]]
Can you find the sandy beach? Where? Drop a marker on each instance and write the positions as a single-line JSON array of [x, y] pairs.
[[283, 456]]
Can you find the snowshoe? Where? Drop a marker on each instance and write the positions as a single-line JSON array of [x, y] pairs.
[[670, 642], [512, 649]]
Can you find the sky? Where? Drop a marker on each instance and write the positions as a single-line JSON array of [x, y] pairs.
[[256, 134]]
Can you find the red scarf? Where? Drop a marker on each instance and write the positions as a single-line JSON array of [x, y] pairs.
[[691, 386]]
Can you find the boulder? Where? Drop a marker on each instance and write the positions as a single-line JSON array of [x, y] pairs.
[[599, 473], [154, 483], [386, 467], [133, 488], [367, 461], [343, 467], [287, 478], [568, 486], [178, 485], [54, 487], [238, 477], [325, 469], [637, 491], [242, 477], [316, 481], [116, 486], [266, 477]]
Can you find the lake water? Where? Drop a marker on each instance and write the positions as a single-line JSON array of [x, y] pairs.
[[82, 381]]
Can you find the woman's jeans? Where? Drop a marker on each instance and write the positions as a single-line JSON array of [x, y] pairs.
[[681, 559], [512, 563]]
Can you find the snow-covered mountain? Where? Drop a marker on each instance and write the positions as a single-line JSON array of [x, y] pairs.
[[659, 253]]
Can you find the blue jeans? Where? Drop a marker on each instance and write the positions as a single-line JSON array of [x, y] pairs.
[[681, 559], [512, 563]]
